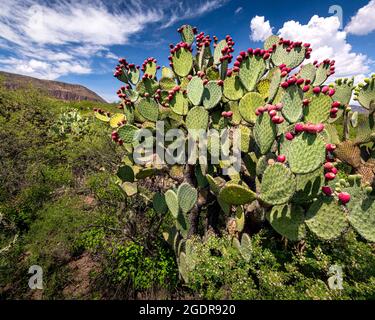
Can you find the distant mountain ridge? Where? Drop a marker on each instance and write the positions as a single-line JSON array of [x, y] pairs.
[[56, 89]]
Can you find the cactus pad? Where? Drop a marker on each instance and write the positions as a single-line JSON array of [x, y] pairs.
[[263, 87], [308, 185], [159, 204], [182, 62], [172, 202], [187, 34], [252, 69], [365, 93], [326, 219], [179, 104], [102, 117], [233, 89], [240, 219], [167, 83], [308, 71], [318, 110], [148, 109], [196, 119], [236, 194], [362, 217], [115, 119], [275, 84], [187, 197], [167, 73], [291, 59], [271, 41], [127, 133], [248, 104], [278, 184], [343, 91], [322, 74], [195, 90], [264, 132], [212, 94], [133, 75], [217, 53], [292, 103], [306, 153], [289, 221], [125, 173]]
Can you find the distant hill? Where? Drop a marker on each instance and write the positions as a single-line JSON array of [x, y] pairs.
[[56, 89]]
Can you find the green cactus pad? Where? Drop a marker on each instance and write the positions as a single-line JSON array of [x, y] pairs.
[[278, 184], [187, 197], [263, 87], [129, 114], [343, 91], [362, 217], [167, 73], [275, 84], [133, 75], [326, 219], [115, 119], [159, 204], [187, 34], [147, 85], [240, 219], [132, 95], [292, 103], [183, 267], [308, 71], [233, 89], [212, 73], [245, 138], [182, 62], [251, 70], [197, 118], [308, 185], [150, 68], [322, 74], [217, 53], [248, 104], [167, 83], [264, 132], [306, 153], [127, 133], [172, 203], [236, 194], [246, 247], [291, 59], [365, 93], [195, 90], [148, 109], [270, 41], [102, 117], [212, 94], [289, 221], [182, 224], [125, 173], [215, 183], [179, 104], [318, 110]]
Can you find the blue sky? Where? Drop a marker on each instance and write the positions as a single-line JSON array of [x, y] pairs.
[[80, 41]]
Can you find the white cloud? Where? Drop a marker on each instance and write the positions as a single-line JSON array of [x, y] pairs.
[[364, 21], [327, 41], [65, 35], [260, 29]]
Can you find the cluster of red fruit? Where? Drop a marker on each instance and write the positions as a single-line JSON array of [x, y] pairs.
[[327, 63], [296, 81], [102, 112], [272, 111], [203, 40], [123, 65], [290, 45], [284, 70], [115, 137], [122, 95], [149, 61], [172, 93], [227, 50]]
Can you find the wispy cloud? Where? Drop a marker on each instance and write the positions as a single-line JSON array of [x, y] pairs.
[[51, 39], [238, 10]]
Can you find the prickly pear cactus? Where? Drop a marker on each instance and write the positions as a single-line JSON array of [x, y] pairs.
[[289, 150]]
